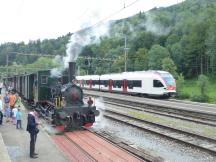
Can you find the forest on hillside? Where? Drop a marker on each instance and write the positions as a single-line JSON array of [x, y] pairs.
[[180, 39]]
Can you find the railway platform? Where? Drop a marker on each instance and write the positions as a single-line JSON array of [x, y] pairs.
[[69, 147], [14, 144]]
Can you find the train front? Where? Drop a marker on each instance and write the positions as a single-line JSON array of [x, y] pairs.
[[170, 83], [73, 113]]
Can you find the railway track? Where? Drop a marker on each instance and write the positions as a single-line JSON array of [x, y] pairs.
[[199, 112], [198, 141], [141, 108], [199, 115], [90, 146]]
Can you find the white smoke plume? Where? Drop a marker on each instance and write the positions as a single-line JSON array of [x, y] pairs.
[[91, 31], [57, 72], [155, 27], [82, 38]]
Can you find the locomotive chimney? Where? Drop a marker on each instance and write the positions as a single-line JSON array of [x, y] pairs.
[[71, 71]]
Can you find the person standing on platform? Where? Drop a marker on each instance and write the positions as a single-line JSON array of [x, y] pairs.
[[1, 86], [7, 113], [1, 111], [1, 103], [1, 117], [19, 119], [33, 131], [6, 100], [14, 112], [18, 100], [12, 100]]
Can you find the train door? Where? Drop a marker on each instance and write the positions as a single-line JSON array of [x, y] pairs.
[[90, 84], [110, 85], [82, 83], [124, 85]]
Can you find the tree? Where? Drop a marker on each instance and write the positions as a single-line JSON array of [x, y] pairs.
[[156, 54], [141, 60], [211, 50], [169, 65], [177, 56], [202, 83], [180, 85]]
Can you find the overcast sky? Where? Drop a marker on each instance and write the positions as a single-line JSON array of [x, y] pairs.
[[24, 20]]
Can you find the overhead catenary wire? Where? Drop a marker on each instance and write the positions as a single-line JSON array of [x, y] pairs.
[[102, 20]]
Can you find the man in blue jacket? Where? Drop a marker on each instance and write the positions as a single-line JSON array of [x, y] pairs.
[[33, 130]]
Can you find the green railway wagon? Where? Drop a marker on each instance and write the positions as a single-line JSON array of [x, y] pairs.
[[41, 85]]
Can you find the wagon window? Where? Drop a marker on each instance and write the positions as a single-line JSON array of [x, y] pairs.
[[157, 83], [44, 79]]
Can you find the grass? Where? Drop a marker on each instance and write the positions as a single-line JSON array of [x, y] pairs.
[[191, 89], [176, 123]]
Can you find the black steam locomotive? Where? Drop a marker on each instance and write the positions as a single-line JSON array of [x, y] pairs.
[[56, 99]]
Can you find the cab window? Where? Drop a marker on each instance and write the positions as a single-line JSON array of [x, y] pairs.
[[44, 79], [157, 83]]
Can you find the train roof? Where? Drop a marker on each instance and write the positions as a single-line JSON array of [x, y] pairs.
[[88, 76], [135, 74]]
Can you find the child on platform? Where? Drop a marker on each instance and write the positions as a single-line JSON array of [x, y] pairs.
[[19, 119], [7, 113]]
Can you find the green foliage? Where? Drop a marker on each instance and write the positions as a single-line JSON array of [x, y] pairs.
[[156, 54], [180, 84], [203, 83], [192, 90], [200, 98], [141, 60], [182, 95], [169, 65]]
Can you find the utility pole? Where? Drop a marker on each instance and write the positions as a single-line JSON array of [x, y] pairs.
[[125, 47], [125, 53]]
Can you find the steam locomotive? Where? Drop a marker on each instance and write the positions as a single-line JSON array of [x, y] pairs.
[[55, 98]]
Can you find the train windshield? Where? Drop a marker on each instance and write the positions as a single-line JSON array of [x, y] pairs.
[[169, 79]]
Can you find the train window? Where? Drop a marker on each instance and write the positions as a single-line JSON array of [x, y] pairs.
[[137, 83], [114, 83], [44, 79], [130, 84], [117, 84], [101, 82], [157, 83], [96, 82], [105, 83]]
